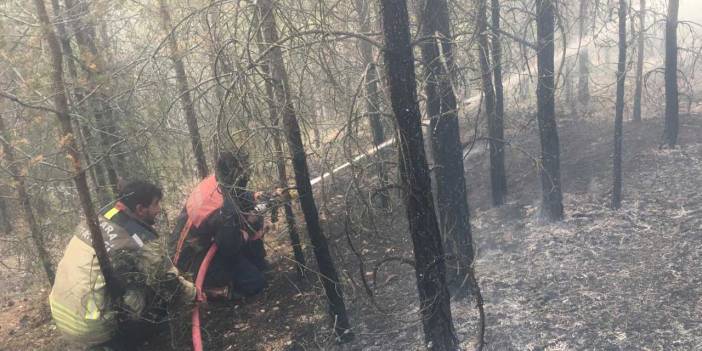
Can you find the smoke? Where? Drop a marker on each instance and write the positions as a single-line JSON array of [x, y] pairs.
[[691, 10]]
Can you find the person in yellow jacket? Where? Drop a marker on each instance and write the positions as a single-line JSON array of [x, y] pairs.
[[80, 306]]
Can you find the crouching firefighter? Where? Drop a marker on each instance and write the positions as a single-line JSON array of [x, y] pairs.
[[220, 210], [152, 286]]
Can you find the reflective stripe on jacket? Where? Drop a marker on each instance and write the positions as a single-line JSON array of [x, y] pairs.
[[78, 300]]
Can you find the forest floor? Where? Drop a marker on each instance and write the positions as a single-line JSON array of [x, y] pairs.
[[600, 280]]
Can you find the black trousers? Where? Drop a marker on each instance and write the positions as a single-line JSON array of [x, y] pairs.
[[243, 271]]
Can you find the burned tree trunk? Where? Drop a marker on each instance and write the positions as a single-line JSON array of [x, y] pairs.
[[281, 90], [287, 207], [430, 268], [552, 199], [498, 180], [274, 112], [497, 75], [451, 196], [68, 141], [25, 202], [640, 61], [184, 91], [372, 98], [670, 133], [283, 180], [619, 108]]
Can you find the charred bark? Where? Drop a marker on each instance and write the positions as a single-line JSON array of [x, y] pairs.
[[434, 299], [552, 199], [451, 196], [184, 91], [670, 133], [498, 181], [499, 88], [280, 157], [283, 182], [69, 143], [281, 90], [619, 108], [372, 98]]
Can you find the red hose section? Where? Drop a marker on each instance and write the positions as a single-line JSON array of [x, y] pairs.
[[199, 281]]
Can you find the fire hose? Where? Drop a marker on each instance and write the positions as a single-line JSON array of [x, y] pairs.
[[264, 202], [201, 297]]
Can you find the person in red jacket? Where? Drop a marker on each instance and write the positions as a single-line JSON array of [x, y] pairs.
[[221, 210]]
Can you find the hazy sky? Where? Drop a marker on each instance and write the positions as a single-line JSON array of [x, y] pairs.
[[691, 10]]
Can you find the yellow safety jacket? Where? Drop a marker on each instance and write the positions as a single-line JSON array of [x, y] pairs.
[[80, 306]]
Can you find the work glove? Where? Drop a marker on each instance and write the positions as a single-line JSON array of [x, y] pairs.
[[188, 291], [200, 295]]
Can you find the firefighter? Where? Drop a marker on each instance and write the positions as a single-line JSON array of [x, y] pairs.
[[80, 305], [221, 210]]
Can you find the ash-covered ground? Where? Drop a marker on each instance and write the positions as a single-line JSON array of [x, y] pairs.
[[600, 280]]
